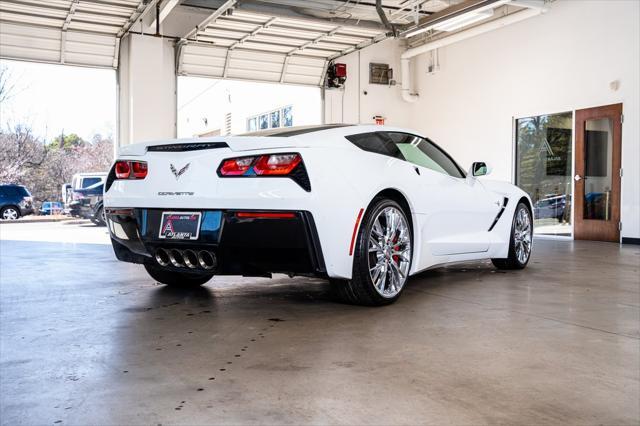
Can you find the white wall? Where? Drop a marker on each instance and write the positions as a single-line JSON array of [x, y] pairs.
[[146, 89], [379, 99], [561, 61]]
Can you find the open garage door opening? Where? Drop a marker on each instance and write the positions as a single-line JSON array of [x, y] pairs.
[[56, 139], [212, 107]]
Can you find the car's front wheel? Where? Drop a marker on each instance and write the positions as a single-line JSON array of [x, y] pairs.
[[10, 213], [177, 279], [381, 259], [519, 242]]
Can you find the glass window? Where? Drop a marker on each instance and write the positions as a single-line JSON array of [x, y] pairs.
[[275, 119], [264, 121], [377, 143], [252, 124], [88, 181], [424, 153], [287, 116], [18, 191], [543, 169]]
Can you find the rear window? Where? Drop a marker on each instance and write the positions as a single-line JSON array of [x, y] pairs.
[[89, 181], [15, 191]]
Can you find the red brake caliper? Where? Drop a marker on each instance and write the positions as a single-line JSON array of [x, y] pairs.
[[395, 257]]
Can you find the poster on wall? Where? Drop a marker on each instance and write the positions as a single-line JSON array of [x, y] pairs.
[[555, 148]]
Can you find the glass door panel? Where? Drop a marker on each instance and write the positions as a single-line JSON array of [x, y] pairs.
[[543, 169], [597, 169]]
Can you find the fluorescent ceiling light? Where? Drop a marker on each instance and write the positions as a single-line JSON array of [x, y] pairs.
[[463, 20], [454, 23]]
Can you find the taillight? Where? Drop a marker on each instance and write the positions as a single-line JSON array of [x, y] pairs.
[[276, 164], [139, 169], [123, 170], [287, 164], [263, 165], [236, 166], [131, 169]]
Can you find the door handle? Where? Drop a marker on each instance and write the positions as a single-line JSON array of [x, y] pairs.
[[577, 178]]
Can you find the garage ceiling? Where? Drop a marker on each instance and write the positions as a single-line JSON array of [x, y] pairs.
[[287, 41]]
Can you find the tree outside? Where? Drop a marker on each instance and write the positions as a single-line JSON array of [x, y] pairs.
[[44, 166]]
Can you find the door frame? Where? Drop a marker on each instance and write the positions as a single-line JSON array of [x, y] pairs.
[[614, 111], [514, 160]]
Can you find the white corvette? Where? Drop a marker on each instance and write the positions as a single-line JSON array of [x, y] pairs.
[[364, 206]]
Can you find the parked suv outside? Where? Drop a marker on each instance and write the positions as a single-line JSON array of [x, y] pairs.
[[15, 201]]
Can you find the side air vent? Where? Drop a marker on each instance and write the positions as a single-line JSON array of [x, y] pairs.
[[193, 146], [504, 205]]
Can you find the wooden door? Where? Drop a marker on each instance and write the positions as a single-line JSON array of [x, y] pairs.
[[598, 173]]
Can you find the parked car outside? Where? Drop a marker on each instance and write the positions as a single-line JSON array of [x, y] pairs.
[[84, 196], [15, 201], [51, 207], [552, 206], [87, 192]]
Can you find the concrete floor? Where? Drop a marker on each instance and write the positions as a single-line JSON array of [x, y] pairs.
[[87, 340]]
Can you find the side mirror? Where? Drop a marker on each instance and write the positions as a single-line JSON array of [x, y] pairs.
[[479, 169]]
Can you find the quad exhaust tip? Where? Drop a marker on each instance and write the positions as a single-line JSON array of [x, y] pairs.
[[190, 259], [162, 257], [207, 259], [175, 256], [186, 258]]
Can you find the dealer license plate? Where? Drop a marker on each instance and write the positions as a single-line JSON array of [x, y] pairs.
[[180, 225]]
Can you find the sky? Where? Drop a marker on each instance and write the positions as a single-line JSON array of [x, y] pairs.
[[56, 98], [52, 99]]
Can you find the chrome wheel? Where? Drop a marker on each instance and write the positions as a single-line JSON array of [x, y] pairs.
[[389, 252], [10, 214], [522, 235]]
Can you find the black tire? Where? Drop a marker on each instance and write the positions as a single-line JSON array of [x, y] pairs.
[[99, 218], [512, 262], [7, 209], [360, 289], [177, 279]]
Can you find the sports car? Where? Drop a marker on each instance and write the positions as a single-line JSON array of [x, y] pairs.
[[365, 207]]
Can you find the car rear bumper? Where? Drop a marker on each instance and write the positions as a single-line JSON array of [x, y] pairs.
[[24, 211], [254, 246]]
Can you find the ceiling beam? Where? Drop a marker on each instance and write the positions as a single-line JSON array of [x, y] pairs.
[[166, 7], [211, 18], [139, 14], [285, 9]]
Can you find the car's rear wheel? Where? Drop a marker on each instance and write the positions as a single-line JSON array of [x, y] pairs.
[[177, 279], [10, 213], [100, 218], [519, 242], [382, 257]]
